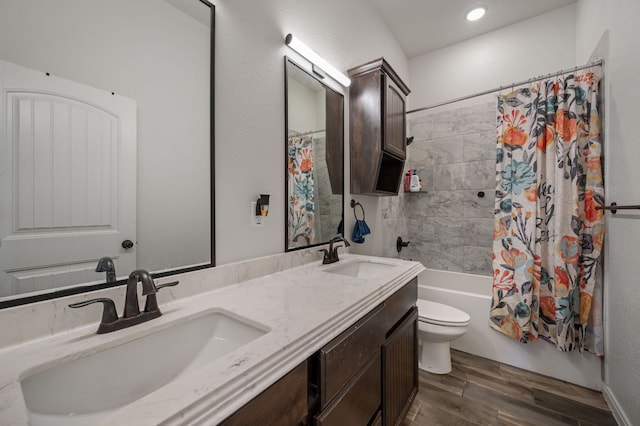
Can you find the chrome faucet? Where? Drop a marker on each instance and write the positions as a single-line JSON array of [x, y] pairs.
[[331, 255], [131, 315], [105, 264]]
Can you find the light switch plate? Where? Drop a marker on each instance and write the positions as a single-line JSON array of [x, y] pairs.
[[256, 221]]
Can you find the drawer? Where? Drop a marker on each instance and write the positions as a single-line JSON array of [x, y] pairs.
[[341, 358], [399, 303], [360, 401]]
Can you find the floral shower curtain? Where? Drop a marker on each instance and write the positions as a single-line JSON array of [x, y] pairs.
[[548, 233], [301, 215]]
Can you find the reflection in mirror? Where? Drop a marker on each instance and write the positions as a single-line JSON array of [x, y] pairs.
[[315, 159], [106, 142]]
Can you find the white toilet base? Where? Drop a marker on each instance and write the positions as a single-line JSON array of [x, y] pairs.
[[435, 357]]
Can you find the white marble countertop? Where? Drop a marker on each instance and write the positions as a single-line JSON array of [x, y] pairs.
[[304, 308]]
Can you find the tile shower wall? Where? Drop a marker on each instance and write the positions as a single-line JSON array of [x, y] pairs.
[[449, 225]]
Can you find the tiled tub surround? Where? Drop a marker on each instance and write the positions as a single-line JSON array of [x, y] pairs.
[[304, 307], [450, 227]]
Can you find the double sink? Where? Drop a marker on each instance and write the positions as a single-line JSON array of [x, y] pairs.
[[86, 389]]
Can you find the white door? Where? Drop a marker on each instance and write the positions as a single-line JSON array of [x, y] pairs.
[[67, 181]]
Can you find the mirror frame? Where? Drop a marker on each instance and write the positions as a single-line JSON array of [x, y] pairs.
[[287, 61], [92, 287]]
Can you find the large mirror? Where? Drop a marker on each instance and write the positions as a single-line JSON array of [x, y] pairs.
[[314, 122], [106, 142]]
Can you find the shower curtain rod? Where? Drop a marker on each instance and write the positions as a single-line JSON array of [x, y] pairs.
[[307, 133], [486, 92]]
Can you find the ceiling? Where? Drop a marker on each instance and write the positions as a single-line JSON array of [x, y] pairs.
[[422, 26]]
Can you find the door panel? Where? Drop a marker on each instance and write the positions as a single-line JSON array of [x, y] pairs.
[[46, 278], [55, 219]]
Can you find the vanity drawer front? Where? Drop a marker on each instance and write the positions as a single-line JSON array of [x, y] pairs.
[[341, 358], [359, 402], [400, 302]]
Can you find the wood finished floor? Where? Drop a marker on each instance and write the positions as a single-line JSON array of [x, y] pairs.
[[483, 392]]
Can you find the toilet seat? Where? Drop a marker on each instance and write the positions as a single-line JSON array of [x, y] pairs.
[[441, 314]]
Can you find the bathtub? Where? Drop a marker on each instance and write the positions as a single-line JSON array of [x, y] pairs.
[[472, 294]]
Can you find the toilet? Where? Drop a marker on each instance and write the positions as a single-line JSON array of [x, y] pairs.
[[438, 324]]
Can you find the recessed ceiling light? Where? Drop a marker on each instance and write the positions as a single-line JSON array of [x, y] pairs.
[[476, 13]]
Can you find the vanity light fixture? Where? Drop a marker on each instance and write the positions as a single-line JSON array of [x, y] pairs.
[[262, 205], [316, 59], [476, 13], [318, 71]]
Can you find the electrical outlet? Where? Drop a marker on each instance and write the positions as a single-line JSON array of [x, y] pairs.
[[256, 221]]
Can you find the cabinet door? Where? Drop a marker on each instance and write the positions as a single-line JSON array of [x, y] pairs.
[[394, 140], [400, 370]]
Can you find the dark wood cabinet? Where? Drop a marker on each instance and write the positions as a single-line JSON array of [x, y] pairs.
[[395, 136], [377, 128], [286, 402], [359, 401], [344, 356], [399, 304], [400, 369], [367, 375], [386, 336]]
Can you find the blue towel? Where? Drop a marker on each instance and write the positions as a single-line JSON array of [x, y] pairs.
[[360, 229]]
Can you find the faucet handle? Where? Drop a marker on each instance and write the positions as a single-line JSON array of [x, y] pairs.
[[151, 304], [171, 284], [326, 258], [109, 313]]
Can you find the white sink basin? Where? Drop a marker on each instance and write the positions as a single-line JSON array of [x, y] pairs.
[[86, 389], [361, 269]]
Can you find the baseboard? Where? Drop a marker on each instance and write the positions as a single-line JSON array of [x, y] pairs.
[[616, 410]]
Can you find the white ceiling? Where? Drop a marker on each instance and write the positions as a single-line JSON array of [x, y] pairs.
[[422, 26]]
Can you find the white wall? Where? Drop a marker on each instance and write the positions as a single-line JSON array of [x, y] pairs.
[[250, 137], [533, 47], [612, 27]]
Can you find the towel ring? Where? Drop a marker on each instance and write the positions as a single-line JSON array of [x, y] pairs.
[[353, 205]]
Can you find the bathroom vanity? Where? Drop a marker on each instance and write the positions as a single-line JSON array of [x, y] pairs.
[[366, 374], [312, 340]]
